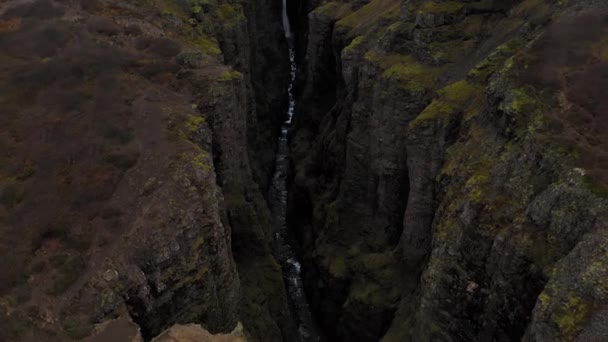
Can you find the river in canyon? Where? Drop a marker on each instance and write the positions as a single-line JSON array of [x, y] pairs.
[[300, 310]]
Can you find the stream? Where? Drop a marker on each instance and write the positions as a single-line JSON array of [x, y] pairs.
[[300, 310]]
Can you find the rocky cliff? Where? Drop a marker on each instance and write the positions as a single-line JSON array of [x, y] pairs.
[[450, 169], [137, 142]]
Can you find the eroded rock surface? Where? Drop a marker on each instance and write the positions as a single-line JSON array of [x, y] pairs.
[[126, 181], [450, 169]]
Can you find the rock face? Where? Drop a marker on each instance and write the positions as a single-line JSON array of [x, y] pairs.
[[450, 169], [137, 140]]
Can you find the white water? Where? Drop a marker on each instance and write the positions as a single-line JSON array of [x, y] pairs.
[[301, 313], [286, 24]]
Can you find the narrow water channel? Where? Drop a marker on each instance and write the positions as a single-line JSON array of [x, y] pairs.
[[301, 313]]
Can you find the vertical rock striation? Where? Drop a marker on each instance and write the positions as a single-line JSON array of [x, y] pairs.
[[142, 136], [445, 179]]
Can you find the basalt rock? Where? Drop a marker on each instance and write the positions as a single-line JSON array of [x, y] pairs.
[[453, 175], [136, 149]]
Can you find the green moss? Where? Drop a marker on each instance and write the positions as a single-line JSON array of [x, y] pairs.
[[192, 124], [521, 101], [448, 223], [201, 162], [461, 96], [432, 6], [183, 127], [207, 45], [411, 75], [570, 316], [476, 186], [544, 299], [169, 8], [369, 16], [396, 26], [437, 109], [354, 44], [495, 60], [460, 92], [333, 9], [229, 15], [526, 108], [230, 75]]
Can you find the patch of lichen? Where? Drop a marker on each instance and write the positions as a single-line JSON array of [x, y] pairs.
[[411, 75], [459, 97], [570, 315]]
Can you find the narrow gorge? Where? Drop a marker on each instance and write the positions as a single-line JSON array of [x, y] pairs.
[[290, 170]]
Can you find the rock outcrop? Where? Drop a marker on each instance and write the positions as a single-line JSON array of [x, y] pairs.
[[137, 143], [450, 169]]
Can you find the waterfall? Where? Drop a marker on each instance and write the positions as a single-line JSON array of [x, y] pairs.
[[286, 24], [300, 310]]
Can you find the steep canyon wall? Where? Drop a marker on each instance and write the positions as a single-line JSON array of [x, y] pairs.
[[138, 142], [449, 161]]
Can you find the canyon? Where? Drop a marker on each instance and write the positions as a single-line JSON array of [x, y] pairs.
[[289, 170]]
